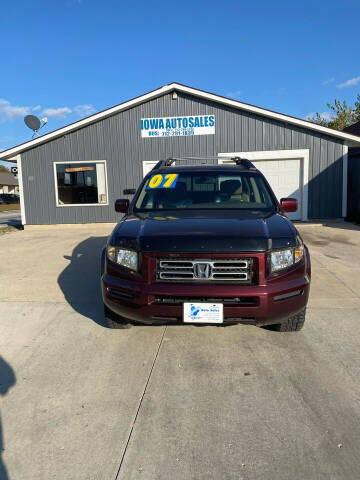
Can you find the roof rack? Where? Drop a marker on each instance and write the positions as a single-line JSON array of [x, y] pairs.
[[164, 163], [242, 162]]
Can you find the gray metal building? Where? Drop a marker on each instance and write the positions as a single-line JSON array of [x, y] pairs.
[[74, 174], [353, 211]]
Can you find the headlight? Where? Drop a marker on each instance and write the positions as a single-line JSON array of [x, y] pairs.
[[281, 259], [125, 258]]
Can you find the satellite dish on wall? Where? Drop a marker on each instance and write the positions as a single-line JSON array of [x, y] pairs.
[[34, 123]]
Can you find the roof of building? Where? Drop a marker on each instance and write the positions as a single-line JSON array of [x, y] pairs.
[[9, 154], [353, 129], [8, 179]]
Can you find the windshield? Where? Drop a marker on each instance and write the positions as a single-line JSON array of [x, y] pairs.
[[204, 190]]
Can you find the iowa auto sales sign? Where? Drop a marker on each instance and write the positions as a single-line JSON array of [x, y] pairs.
[[178, 126]]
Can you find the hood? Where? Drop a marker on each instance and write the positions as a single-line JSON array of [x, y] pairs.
[[186, 232]]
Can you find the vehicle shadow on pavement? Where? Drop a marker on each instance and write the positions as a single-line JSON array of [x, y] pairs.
[[80, 280], [7, 380]]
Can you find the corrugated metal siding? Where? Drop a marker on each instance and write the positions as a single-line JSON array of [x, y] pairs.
[[117, 140], [354, 184]]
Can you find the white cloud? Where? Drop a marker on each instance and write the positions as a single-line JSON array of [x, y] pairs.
[[60, 112], [310, 116], [81, 111], [84, 110], [349, 83], [235, 94], [9, 112], [6, 139], [325, 115], [329, 80]]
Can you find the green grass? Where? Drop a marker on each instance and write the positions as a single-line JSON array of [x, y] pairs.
[[5, 208]]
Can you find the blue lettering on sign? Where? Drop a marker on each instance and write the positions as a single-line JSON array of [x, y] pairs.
[[178, 126], [154, 122]]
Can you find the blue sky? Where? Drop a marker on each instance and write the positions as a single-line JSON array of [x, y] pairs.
[[65, 59]]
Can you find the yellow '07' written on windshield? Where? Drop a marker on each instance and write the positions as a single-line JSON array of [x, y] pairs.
[[162, 181]]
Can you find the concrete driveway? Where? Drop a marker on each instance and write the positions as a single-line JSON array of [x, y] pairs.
[[80, 401]]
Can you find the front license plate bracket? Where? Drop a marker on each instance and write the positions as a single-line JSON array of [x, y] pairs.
[[202, 312]]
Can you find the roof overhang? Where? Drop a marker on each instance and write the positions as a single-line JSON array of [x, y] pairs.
[[350, 140]]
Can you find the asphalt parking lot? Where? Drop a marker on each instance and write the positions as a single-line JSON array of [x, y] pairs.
[[11, 217], [80, 401]]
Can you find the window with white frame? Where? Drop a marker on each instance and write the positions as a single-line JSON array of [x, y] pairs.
[[148, 165], [81, 183]]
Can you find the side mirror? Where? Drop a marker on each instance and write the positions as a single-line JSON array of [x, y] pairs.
[[129, 191], [122, 205], [288, 204]]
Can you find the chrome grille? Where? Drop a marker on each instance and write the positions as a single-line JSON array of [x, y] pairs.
[[221, 270]]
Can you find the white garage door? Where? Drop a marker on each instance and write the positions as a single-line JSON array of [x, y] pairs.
[[284, 174], [285, 178]]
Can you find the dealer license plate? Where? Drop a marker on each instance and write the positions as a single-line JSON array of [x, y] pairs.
[[203, 313]]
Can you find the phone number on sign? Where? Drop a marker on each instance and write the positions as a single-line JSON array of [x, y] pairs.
[[178, 132]]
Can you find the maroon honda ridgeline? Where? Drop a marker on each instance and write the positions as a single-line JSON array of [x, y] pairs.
[[206, 245]]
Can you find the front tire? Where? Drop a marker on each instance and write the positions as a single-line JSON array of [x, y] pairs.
[[293, 323], [115, 321]]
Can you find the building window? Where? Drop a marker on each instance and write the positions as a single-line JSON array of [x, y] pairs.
[[81, 183]]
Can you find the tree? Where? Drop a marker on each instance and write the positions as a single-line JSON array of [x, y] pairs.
[[342, 115], [4, 169]]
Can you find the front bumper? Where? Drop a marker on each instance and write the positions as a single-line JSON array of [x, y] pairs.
[[270, 303]]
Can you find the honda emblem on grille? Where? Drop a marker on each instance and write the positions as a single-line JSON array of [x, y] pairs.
[[202, 270]]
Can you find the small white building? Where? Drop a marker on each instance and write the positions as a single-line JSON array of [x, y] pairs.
[[8, 184]]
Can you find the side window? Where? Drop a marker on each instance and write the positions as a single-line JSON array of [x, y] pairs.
[[81, 183]]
